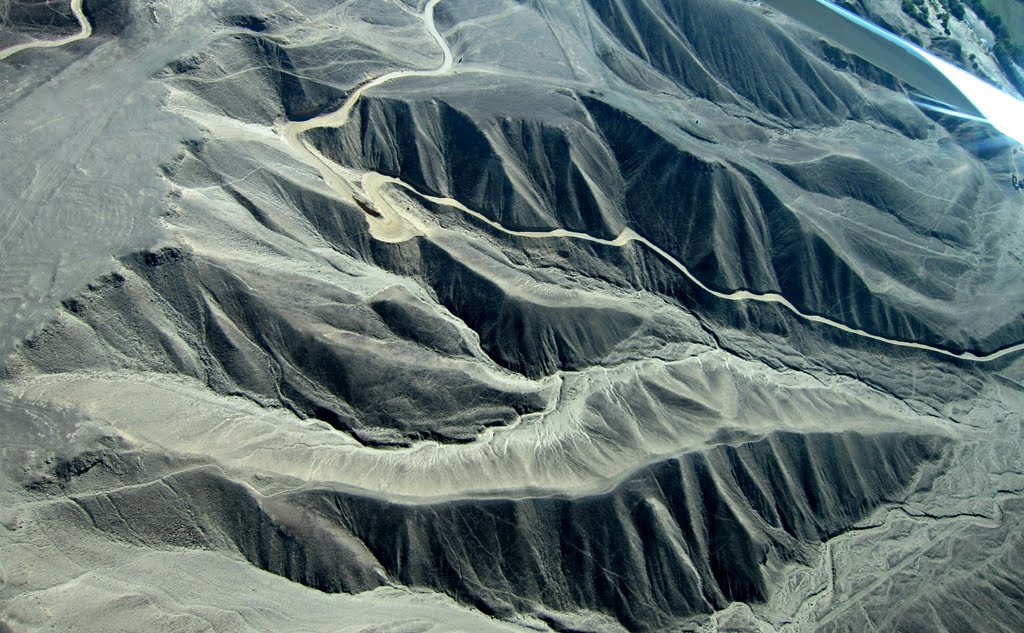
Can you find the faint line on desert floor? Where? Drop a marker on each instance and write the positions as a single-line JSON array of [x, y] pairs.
[[85, 31], [292, 132]]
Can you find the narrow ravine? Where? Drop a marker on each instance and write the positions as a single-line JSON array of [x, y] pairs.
[[398, 224], [85, 31]]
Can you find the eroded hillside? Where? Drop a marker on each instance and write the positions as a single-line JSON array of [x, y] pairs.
[[474, 315]]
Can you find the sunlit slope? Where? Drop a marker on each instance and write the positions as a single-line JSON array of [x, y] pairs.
[[840, 208], [482, 314]]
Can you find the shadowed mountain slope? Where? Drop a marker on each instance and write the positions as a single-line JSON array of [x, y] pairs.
[[412, 315]]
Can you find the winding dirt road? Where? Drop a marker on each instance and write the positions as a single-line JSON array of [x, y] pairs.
[[399, 224], [629, 235], [84, 32], [292, 131]]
